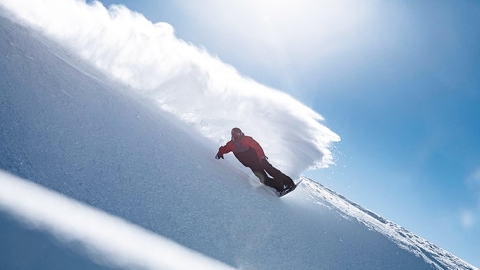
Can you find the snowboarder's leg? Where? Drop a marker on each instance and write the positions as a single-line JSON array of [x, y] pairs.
[[262, 176], [277, 174], [266, 180], [274, 184]]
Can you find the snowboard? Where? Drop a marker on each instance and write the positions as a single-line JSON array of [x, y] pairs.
[[285, 192]]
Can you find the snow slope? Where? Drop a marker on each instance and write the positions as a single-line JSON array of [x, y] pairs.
[[108, 159]]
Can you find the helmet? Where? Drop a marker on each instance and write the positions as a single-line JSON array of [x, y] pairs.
[[236, 132]]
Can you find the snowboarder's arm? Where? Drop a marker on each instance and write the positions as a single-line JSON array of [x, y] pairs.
[[224, 149]]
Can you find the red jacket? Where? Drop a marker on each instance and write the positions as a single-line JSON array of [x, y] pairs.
[[245, 148]]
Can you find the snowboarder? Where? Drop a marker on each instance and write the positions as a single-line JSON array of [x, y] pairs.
[[251, 155]]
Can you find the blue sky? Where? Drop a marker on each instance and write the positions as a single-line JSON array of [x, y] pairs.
[[399, 82]]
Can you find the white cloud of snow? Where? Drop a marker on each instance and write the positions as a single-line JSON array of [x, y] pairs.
[[108, 239], [184, 80]]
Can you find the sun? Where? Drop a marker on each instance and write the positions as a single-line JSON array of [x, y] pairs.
[[284, 23]]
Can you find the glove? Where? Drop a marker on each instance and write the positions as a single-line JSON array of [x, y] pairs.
[[219, 156]]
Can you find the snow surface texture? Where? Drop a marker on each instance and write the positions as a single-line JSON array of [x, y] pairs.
[[184, 80], [98, 231], [73, 131]]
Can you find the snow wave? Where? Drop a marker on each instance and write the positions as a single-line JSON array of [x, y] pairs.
[[183, 79]]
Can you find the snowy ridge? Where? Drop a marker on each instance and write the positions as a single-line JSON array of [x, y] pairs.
[[431, 253]]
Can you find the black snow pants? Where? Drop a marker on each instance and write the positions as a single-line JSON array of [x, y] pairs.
[[277, 179], [261, 167]]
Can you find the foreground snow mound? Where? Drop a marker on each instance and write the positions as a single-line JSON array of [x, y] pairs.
[[116, 242], [71, 130]]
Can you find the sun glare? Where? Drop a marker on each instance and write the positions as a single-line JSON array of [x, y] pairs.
[[276, 31]]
